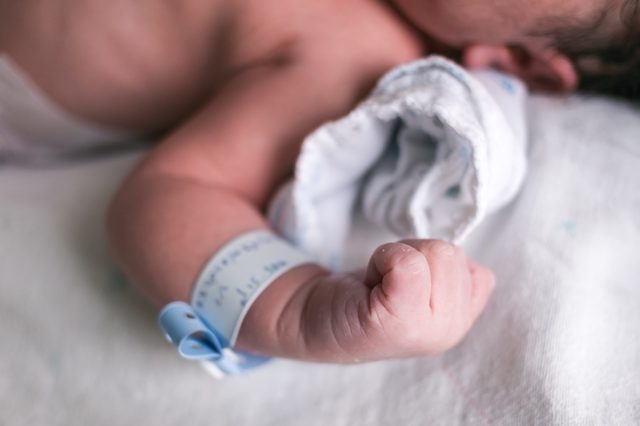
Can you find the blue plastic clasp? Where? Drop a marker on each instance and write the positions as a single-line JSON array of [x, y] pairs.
[[198, 341]]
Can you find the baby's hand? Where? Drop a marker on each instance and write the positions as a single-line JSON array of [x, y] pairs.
[[417, 297]]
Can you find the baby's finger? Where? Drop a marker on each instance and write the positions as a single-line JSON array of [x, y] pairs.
[[448, 266], [400, 277]]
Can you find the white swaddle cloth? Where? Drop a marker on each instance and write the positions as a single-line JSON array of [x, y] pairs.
[[33, 129], [429, 154]]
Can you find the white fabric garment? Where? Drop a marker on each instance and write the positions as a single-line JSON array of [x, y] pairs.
[[431, 152], [32, 125]]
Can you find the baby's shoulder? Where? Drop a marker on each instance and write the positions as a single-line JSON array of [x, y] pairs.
[[345, 46], [363, 34]]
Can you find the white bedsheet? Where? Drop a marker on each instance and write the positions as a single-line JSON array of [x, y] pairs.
[[558, 344]]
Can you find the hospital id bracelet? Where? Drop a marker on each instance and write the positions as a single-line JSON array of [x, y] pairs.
[[225, 290]]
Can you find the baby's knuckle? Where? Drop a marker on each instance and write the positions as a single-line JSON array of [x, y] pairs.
[[410, 260], [383, 248], [401, 255], [439, 248], [446, 248], [388, 250], [434, 249], [418, 244]]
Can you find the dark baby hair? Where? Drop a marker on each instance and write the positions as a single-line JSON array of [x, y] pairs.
[[610, 68]]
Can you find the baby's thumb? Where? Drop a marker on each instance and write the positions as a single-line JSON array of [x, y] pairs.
[[399, 278]]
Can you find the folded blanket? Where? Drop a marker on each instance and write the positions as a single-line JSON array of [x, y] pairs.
[[429, 154]]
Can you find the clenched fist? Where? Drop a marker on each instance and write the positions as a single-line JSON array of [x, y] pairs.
[[417, 297]]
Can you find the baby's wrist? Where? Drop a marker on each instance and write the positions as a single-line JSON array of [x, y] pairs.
[[249, 284], [272, 326]]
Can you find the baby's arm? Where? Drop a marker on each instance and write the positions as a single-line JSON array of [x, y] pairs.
[[206, 184]]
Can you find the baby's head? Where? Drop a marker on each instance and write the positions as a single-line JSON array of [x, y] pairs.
[[555, 45]]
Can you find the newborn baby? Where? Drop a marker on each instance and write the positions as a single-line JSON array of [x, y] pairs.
[[233, 87]]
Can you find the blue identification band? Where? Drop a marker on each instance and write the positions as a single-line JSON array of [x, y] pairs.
[[196, 341], [227, 287]]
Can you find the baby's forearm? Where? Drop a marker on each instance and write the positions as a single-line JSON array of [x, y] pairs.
[[417, 297], [163, 229], [203, 186]]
